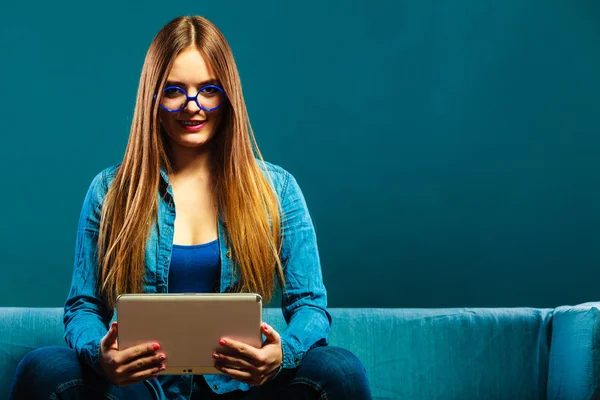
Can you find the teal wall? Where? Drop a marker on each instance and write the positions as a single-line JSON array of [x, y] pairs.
[[448, 150]]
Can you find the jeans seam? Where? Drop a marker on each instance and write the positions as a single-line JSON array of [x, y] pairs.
[[69, 384], [311, 383], [64, 386]]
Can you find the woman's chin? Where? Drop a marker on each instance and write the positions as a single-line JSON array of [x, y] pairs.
[[191, 140]]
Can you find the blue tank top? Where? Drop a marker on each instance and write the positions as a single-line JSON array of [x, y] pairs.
[[195, 269]]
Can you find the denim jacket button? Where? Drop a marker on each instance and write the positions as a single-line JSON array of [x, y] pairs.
[[216, 387], [228, 254]]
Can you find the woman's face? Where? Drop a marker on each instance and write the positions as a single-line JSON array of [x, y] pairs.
[[192, 126]]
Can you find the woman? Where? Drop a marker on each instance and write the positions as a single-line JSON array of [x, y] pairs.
[[241, 225]]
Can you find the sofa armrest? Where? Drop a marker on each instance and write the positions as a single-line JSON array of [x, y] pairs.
[[574, 353]]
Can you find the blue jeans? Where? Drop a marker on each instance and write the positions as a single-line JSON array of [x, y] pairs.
[[56, 373]]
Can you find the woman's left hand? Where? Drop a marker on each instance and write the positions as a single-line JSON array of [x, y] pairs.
[[247, 363]]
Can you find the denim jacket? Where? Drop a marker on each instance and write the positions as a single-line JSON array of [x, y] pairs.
[[304, 298]]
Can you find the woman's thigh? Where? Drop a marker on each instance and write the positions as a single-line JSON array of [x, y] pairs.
[[56, 373]]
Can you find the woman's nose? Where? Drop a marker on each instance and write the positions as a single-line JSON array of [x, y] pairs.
[[191, 106]]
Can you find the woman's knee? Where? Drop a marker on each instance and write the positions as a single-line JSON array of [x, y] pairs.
[[44, 369], [53, 359], [333, 360], [52, 371], [336, 370]]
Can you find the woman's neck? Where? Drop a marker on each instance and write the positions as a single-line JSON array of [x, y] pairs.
[[191, 163]]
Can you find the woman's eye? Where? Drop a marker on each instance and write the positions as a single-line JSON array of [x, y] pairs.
[[172, 92], [209, 91]]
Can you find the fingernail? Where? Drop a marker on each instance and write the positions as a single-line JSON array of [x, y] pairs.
[[162, 368], [223, 342], [162, 358], [155, 346], [215, 356], [266, 326]]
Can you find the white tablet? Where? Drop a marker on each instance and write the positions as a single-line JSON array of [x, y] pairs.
[[188, 326]]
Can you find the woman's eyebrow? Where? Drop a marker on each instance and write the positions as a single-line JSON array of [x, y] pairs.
[[212, 81]]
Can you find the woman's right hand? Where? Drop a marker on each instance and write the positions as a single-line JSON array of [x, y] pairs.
[[132, 365]]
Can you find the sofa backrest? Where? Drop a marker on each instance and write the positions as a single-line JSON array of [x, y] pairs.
[[462, 354], [23, 330], [494, 353]]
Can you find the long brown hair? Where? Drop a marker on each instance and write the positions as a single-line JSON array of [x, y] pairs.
[[244, 194]]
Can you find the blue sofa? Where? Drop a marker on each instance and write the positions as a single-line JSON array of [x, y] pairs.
[[455, 353]]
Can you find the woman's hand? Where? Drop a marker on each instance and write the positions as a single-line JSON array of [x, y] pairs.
[[132, 365], [249, 364]]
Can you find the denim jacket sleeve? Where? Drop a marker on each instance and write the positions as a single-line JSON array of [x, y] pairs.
[[86, 317], [304, 297]]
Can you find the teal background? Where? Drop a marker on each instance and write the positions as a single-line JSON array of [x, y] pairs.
[[448, 150]]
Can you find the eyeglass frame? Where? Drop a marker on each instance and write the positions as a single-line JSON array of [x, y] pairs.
[[188, 98]]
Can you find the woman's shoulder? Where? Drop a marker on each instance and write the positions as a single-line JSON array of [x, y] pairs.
[[98, 189], [103, 179], [277, 174], [283, 181], [275, 171]]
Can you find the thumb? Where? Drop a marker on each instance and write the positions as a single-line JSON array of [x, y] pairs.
[[111, 336], [270, 333]]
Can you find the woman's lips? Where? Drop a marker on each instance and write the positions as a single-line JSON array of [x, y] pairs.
[[192, 126]]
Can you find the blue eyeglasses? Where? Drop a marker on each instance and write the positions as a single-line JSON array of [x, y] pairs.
[[208, 98]]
